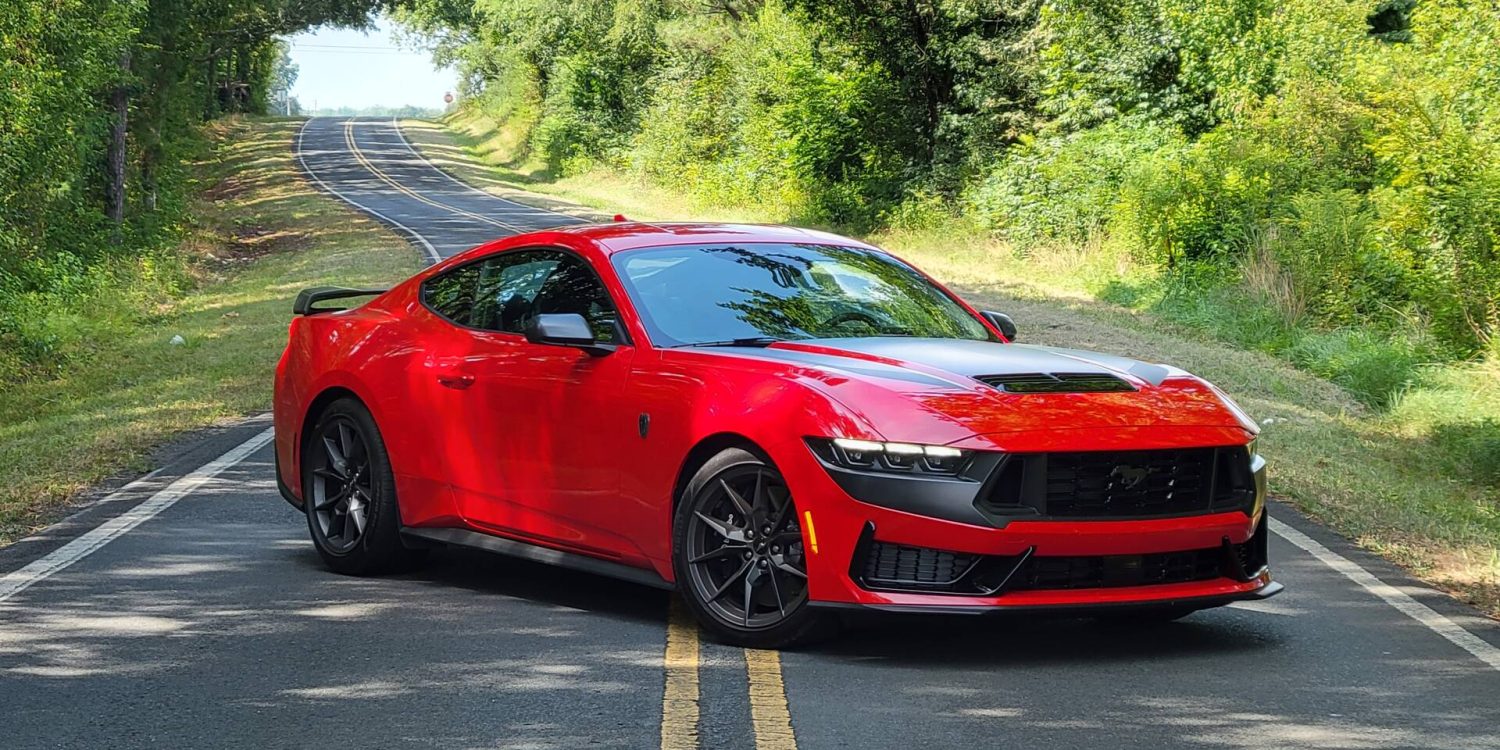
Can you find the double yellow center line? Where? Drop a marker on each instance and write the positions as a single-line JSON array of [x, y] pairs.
[[380, 174], [770, 715]]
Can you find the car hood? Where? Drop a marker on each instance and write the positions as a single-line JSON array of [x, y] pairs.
[[927, 390]]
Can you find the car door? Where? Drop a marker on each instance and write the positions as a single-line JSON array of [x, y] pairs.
[[544, 423]]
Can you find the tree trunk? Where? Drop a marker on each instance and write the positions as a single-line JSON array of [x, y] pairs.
[[241, 75], [119, 102]]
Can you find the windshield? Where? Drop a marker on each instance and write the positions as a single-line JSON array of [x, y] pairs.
[[754, 294]]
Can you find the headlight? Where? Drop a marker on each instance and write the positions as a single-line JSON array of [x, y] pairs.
[[905, 458]]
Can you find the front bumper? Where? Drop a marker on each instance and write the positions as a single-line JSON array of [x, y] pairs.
[[1058, 566], [1096, 607]]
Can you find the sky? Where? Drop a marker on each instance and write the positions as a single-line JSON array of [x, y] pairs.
[[340, 67]]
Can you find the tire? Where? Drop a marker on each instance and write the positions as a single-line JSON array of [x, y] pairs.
[[769, 573], [346, 478]]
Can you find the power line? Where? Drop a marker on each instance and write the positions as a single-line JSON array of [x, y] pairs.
[[382, 48]]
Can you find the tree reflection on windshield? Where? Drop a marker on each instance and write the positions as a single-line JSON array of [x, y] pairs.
[[699, 294]]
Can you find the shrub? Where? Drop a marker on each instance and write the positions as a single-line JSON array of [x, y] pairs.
[[1202, 201], [1374, 367], [64, 306], [1063, 188]]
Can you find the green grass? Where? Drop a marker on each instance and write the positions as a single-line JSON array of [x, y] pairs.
[[1415, 481], [263, 233]]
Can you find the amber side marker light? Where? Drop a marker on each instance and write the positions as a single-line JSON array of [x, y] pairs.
[[812, 532]]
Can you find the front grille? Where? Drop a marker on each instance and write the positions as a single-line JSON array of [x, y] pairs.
[[1128, 483], [1056, 383], [1113, 571], [1120, 484], [898, 566]]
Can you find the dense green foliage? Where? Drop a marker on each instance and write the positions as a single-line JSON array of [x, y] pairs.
[[99, 106], [1324, 164]]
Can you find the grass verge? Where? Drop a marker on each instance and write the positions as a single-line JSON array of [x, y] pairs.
[[261, 233], [1388, 480]]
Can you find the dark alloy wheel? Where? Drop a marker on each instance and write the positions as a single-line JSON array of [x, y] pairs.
[[740, 561], [342, 487], [350, 494]]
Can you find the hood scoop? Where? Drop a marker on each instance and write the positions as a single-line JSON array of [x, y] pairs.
[[1059, 382]]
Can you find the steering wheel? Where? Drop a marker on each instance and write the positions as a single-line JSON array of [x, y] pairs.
[[853, 316]]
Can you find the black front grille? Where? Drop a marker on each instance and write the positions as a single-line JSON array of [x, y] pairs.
[[1120, 484], [897, 566], [1112, 571], [1129, 483], [1056, 383]]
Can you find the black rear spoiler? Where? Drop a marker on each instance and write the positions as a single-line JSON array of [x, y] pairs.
[[309, 297]]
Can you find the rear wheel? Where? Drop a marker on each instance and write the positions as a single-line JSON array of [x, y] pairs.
[[739, 559], [350, 494]]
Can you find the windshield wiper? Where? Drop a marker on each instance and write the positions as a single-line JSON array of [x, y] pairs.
[[747, 341]]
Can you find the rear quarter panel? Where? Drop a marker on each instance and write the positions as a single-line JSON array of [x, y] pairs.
[[367, 352]]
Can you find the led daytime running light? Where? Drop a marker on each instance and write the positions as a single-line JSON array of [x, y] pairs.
[[897, 449]]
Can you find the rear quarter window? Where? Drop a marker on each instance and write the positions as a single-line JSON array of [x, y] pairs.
[[451, 294]]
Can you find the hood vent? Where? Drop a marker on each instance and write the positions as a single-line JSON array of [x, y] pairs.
[[1060, 382]]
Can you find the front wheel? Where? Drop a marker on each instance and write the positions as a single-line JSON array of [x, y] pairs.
[[349, 493], [739, 559]]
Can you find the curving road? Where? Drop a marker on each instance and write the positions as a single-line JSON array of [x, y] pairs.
[[190, 610]]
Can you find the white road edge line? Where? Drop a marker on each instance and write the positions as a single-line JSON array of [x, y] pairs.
[[396, 126], [1400, 600], [23, 578], [431, 251]]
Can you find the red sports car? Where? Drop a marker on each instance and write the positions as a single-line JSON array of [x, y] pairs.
[[777, 422]]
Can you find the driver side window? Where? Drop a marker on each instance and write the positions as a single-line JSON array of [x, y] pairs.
[[503, 293], [508, 285]]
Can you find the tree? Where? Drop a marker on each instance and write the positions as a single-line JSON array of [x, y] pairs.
[[961, 67]]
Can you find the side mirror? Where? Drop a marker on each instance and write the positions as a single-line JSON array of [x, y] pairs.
[[565, 329], [1003, 322]]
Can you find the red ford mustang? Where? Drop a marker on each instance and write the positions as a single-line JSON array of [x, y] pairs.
[[779, 423]]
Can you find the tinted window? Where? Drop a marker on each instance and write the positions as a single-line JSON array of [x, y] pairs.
[[573, 288], [504, 292], [508, 285], [452, 294], [701, 294]]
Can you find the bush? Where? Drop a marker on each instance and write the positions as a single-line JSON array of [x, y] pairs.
[[65, 307], [1337, 264], [1063, 188], [1202, 202], [1374, 367]]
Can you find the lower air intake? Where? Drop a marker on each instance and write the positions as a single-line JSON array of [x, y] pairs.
[[901, 567]]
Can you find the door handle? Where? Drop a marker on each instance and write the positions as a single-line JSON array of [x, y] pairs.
[[455, 380]]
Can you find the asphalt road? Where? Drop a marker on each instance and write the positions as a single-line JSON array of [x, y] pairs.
[[189, 609]]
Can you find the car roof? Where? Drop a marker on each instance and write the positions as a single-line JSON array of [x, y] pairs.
[[615, 237]]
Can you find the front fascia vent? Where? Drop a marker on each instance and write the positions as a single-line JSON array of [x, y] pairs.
[[1060, 382]]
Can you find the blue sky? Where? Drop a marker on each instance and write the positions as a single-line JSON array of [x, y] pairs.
[[340, 67]]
